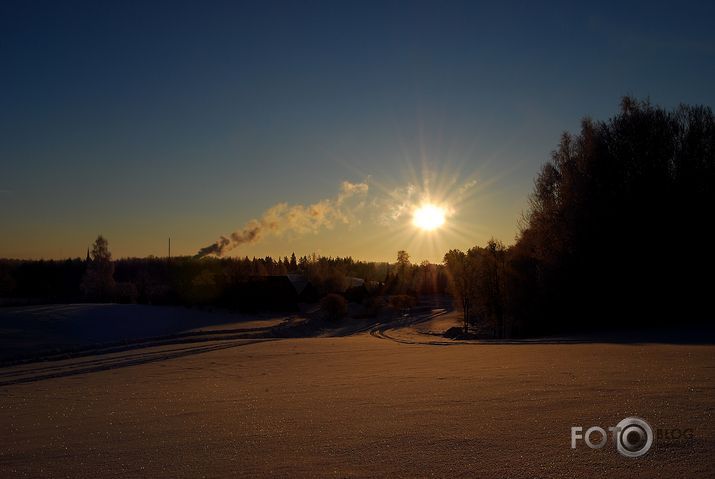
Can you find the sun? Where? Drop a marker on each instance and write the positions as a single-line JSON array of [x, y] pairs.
[[428, 217]]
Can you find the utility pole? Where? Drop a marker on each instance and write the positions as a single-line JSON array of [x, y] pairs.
[[169, 247]]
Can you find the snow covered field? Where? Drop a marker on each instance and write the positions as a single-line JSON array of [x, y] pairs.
[[363, 405]]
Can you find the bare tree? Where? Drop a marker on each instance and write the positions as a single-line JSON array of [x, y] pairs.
[[492, 283], [403, 270], [461, 269]]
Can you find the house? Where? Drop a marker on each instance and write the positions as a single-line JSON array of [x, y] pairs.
[[268, 293], [307, 292], [356, 290]]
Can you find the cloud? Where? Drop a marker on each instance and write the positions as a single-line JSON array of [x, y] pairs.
[[398, 203], [462, 190]]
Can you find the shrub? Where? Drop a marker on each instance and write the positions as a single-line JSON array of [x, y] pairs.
[[334, 306], [373, 305], [402, 301]]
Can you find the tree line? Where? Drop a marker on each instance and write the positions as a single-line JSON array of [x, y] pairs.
[[616, 233], [187, 280]]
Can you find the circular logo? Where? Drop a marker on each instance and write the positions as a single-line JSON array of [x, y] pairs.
[[634, 437]]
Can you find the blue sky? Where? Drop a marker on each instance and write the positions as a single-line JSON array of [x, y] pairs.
[[140, 120]]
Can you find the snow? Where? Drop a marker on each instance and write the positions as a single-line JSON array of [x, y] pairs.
[[361, 405]]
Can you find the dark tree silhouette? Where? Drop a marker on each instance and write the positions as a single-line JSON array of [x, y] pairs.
[[334, 306], [98, 282], [617, 229], [462, 272], [478, 280], [404, 270]]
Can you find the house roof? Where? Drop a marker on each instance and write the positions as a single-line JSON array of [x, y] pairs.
[[299, 281], [354, 282]]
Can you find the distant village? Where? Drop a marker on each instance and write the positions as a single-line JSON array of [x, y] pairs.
[[257, 284]]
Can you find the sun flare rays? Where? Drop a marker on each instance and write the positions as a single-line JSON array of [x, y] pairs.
[[428, 217]]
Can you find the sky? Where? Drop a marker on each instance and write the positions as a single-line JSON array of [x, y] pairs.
[[144, 120]]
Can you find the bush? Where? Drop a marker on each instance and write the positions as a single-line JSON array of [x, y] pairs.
[[334, 306], [373, 305], [402, 301]]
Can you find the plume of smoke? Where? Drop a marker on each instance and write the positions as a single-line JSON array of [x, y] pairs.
[[299, 219]]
